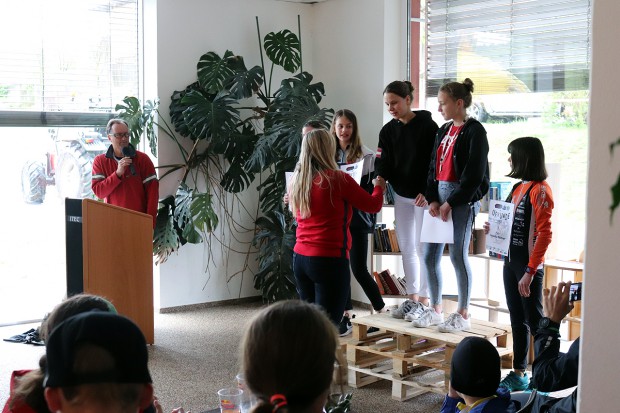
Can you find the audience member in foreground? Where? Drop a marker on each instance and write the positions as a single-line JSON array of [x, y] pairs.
[[97, 362], [552, 370], [27, 385], [474, 379], [288, 355]]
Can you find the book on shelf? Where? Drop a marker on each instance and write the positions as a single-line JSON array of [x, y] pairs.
[[391, 284], [387, 247], [379, 282], [393, 241]]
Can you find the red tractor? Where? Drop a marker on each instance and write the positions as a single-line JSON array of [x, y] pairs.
[[68, 165]]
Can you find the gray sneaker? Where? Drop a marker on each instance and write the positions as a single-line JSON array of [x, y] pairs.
[[415, 312], [454, 322], [403, 309], [428, 318]]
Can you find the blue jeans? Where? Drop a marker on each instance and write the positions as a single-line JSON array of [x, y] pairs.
[[525, 312], [462, 219], [325, 281]]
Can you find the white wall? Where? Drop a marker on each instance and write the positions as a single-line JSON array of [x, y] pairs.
[[359, 47], [186, 30], [351, 46], [599, 365]]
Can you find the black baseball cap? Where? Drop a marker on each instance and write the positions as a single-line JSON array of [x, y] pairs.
[[117, 339]]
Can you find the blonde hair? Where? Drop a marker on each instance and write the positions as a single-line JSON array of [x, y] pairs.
[[317, 156], [355, 150]]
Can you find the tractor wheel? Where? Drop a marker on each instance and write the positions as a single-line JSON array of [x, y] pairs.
[[74, 173], [477, 112], [33, 182]]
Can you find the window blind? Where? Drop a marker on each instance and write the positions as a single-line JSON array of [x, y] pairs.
[[66, 61], [508, 46]]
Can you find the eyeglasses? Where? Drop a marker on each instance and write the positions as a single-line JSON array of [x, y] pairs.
[[120, 135]]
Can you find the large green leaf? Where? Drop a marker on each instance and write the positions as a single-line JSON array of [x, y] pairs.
[[139, 119], [202, 211], [183, 215], [165, 237], [239, 147], [214, 71], [244, 84], [177, 107], [263, 155], [275, 239], [210, 119], [299, 85], [273, 188], [283, 48]]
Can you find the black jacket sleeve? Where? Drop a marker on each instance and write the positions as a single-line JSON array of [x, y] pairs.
[[551, 369], [471, 164], [383, 162], [432, 193]]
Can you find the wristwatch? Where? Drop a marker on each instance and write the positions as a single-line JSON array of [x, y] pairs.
[[530, 270], [548, 324]]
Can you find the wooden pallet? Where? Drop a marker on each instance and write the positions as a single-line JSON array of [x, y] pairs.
[[412, 358]]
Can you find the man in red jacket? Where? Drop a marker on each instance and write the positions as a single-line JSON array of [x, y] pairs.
[[124, 176]]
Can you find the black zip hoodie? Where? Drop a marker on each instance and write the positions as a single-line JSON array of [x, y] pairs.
[[404, 153], [471, 165]]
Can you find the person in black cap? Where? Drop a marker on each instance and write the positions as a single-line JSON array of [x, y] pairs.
[[97, 362], [474, 379]]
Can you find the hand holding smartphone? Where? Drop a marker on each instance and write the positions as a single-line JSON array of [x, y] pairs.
[[575, 292]]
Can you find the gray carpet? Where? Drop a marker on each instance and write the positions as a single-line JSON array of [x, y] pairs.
[[196, 353]]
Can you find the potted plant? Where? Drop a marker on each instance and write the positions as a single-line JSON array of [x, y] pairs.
[[239, 129]]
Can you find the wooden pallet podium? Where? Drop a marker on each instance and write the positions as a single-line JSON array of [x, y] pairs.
[[411, 357], [117, 259]]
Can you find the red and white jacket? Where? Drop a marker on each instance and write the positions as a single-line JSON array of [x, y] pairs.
[[139, 192], [325, 233]]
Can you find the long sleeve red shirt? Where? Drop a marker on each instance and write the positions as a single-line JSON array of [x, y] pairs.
[[139, 192], [325, 233]]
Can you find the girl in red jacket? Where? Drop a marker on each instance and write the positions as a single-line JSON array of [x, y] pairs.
[[322, 198]]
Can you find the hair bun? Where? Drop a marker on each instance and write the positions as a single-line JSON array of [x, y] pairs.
[[469, 85], [409, 85]]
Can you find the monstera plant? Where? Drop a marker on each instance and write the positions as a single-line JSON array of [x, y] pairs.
[[238, 130]]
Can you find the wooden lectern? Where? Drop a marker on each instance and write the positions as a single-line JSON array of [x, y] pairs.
[[118, 260]]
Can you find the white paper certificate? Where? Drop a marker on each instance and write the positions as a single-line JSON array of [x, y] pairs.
[[354, 170], [501, 215], [435, 230]]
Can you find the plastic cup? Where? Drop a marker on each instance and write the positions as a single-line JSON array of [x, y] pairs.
[[230, 400], [248, 400]]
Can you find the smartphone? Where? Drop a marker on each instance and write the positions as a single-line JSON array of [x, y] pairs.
[[575, 292]]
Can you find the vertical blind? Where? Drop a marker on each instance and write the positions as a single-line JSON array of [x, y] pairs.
[[60, 56], [508, 46]]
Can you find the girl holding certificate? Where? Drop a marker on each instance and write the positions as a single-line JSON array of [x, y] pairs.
[[322, 197], [530, 237], [458, 178], [350, 150]]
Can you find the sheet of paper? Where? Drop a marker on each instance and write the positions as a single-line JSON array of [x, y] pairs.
[[288, 176], [437, 231], [501, 215], [354, 170]]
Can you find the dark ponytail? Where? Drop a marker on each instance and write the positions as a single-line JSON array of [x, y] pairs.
[[402, 88]]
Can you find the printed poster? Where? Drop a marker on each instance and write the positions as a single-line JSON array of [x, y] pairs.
[[501, 215], [354, 170]]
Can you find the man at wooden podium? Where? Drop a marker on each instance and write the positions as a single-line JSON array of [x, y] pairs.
[[124, 176]]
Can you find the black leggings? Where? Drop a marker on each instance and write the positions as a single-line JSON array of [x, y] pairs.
[[358, 257], [525, 312]]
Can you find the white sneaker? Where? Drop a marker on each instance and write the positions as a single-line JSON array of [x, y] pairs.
[[454, 322], [415, 312], [403, 309], [428, 318]]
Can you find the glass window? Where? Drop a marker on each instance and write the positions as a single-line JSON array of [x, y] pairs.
[[64, 65], [530, 62]]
